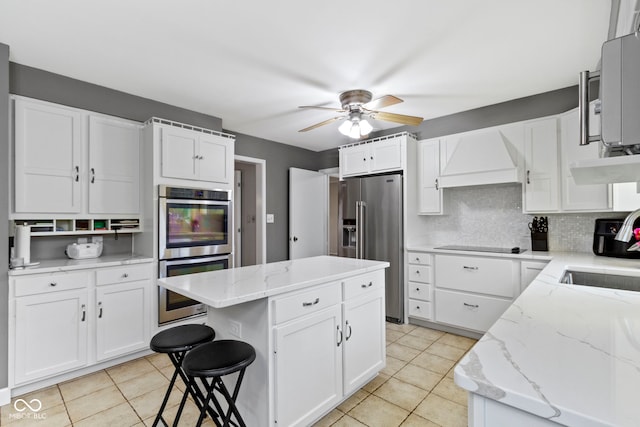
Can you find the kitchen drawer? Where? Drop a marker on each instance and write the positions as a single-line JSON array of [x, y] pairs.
[[122, 274], [54, 282], [420, 273], [492, 276], [358, 285], [421, 309], [420, 291], [468, 311], [419, 258], [289, 307]]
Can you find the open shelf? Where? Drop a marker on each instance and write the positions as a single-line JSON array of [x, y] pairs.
[[62, 227]]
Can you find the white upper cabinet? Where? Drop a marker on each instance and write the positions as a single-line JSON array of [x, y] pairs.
[[429, 192], [194, 155], [114, 166], [70, 161], [592, 197], [48, 157], [541, 189], [375, 156]]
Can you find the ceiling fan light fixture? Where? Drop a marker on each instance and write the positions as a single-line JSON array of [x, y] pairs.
[[355, 131], [345, 128], [365, 128]]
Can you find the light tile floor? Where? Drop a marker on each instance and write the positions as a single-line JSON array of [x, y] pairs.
[[415, 389]]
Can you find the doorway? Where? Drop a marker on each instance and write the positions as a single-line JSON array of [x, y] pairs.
[[250, 211]]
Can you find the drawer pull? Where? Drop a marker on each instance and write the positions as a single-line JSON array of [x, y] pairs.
[[348, 331], [125, 275], [471, 305], [53, 284], [466, 267], [308, 304], [364, 285]]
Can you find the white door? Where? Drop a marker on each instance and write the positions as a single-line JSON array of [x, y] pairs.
[[51, 334], [308, 213], [114, 166], [122, 325], [48, 158]]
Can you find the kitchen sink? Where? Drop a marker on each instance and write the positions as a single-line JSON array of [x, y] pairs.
[[601, 280]]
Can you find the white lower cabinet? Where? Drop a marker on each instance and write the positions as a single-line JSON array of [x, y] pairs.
[[64, 321], [50, 334], [328, 342], [463, 291], [529, 270]]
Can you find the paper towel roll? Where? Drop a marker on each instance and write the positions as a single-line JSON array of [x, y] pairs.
[[22, 242]]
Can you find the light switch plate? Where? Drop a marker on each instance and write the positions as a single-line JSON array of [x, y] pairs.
[[270, 219]]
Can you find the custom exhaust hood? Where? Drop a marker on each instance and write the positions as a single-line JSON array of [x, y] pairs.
[[481, 157]]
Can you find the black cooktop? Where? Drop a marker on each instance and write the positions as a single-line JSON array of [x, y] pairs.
[[514, 250]]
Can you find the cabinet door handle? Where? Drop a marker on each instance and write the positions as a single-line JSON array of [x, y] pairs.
[[417, 259], [84, 313], [308, 304], [77, 178], [437, 184], [53, 284], [466, 267], [201, 157], [417, 289], [339, 334], [371, 157], [364, 159], [528, 175], [100, 312], [471, 305], [348, 331], [418, 272], [93, 175], [365, 285]]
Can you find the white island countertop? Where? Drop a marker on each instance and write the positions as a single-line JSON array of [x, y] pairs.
[[224, 288], [567, 353]]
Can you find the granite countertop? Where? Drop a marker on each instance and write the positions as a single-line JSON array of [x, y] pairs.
[[66, 264], [224, 288], [567, 353]]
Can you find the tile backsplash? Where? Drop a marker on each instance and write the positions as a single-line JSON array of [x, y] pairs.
[[491, 215]]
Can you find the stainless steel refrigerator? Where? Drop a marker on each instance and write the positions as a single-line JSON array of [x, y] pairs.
[[370, 227]]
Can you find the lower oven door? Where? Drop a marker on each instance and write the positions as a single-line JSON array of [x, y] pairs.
[[171, 305]]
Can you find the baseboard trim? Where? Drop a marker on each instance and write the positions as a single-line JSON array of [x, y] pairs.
[[5, 396]]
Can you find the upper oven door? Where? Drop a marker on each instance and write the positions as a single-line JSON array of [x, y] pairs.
[[190, 228]]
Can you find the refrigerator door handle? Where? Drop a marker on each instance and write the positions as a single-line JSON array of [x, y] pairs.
[[360, 230]]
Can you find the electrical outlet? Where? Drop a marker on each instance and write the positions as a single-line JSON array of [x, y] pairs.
[[235, 328]]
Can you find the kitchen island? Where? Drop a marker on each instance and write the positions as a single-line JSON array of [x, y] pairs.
[[560, 353], [317, 325]]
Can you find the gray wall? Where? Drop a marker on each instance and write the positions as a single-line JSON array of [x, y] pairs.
[[4, 213], [39, 84], [279, 158]]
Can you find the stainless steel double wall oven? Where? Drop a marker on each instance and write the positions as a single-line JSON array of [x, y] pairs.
[[194, 236]]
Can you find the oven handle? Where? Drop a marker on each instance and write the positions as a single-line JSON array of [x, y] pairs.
[[196, 202], [182, 261]]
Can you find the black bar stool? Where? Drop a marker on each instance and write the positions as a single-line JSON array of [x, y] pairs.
[[175, 342], [210, 362]]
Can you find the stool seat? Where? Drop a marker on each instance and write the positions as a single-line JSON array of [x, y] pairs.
[[175, 342], [210, 362], [181, 338], [218, 358]]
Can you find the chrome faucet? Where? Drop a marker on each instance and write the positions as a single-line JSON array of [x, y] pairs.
[[626, 231]]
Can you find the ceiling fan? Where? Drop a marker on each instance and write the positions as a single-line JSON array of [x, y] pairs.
[[359, 106]]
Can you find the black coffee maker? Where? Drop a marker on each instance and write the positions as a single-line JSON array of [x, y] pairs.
[[604, 242]]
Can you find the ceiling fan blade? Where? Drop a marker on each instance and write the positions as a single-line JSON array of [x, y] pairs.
[[382, 102], [326, 122], [339, 110], [396, 118]]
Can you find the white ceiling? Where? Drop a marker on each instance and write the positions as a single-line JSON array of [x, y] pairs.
[[252, 63]]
